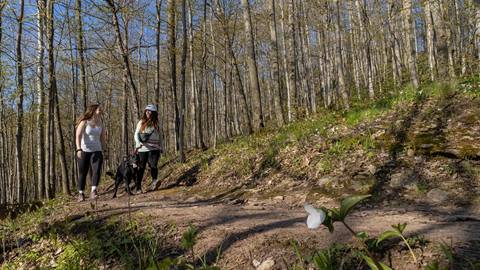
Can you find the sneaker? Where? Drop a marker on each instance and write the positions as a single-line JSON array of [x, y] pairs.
[[93, 195], [155, 184], [80, 197], [138, 191]]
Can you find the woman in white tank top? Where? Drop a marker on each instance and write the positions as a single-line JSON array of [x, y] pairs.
[[90, 143]]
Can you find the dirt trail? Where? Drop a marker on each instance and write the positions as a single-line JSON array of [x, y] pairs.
[[256, 232]]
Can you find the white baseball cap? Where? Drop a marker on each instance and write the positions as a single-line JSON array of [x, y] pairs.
[[151, 107]]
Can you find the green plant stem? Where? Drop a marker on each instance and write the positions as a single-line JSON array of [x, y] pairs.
[[365, 245], [193, 259], [409, 248]]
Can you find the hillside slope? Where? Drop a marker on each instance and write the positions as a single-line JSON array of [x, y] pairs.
[[418, 154]]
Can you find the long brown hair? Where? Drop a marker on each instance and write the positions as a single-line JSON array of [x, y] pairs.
[[149, 122], [88, 114]]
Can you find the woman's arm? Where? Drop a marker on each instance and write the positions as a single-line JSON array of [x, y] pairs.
[[78, 135], [137, 133]]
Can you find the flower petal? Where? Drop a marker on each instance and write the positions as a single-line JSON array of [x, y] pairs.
[[315, 217]]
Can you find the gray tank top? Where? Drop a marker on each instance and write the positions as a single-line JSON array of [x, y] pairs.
[[91, 138]]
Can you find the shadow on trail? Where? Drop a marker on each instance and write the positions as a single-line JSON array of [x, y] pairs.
[[384, 172], [211, 254]]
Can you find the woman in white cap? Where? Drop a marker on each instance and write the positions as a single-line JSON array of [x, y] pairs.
[[149, 145]]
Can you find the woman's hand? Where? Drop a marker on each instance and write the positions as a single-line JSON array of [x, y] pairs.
[[79, 154]]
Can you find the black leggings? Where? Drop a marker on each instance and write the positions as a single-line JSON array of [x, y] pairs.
[[93, 160], [152, 158]]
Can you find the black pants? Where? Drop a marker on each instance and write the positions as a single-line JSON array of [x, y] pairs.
[[152, 158], [89, 160]]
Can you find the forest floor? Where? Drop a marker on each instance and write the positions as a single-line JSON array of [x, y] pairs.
[[418, 156]]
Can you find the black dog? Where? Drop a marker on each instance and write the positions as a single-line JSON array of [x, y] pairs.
[[126, 171]]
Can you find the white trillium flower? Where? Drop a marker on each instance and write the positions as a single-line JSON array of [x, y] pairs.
[[315, 216]]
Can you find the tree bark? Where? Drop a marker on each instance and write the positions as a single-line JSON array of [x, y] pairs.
[[193, 82], [40, 102], [339, 59], [80, 49], [431, 40], [3, 158], [157, 69], [256, 100], [173, 68], [20, 93], [183, 83], [285, 61], [52, 84], [410, 48], [275, 60]]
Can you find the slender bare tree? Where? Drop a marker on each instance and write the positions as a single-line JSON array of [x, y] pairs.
[[125, 56], [81, 53], [183, 86], [20, 94], [257, 110]]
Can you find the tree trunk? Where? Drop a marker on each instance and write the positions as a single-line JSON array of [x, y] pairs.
[[173, 68], [311, 80], [286, 67], [460, 34], [214, 86], [477, 35], [80, 49], [40, 102], [202, 87], [410, 48], [52, 84], [20, 93], [157, 69], [431, 40], [339, 59], [3, 158], [193, 81], [74, 90], [275, 60], [293, 72], [183, 86], [256, 100], [365, 40]]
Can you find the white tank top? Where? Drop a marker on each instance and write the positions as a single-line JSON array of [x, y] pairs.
[[91, 138]]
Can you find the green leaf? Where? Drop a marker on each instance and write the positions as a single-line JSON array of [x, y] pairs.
[[323, 260], [386, 235], [400, 227], [373, 266], [348, 203], [362, 235], [189, 237], [335, 214], [297, 251], [328, 222]]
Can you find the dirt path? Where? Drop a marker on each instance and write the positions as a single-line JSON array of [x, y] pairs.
[[261, 230]]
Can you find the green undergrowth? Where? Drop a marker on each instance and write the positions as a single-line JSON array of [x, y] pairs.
[[89, 243]]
